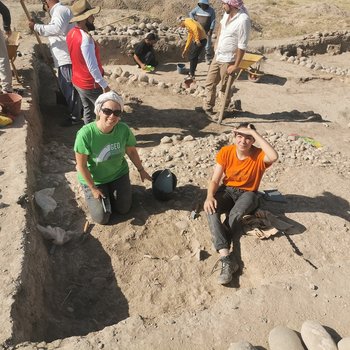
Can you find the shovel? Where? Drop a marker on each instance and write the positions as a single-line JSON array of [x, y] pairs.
[[230, 81], [60, 99]]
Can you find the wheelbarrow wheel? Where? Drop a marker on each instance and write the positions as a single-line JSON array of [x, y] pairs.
[[254, 75], [254, 78]]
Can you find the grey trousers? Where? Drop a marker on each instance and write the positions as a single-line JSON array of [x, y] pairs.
[[118, 198], [70, 94], [216, 73], [5, 69], [88, 99], [235, 203]]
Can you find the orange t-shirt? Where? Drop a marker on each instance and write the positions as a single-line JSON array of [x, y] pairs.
[[243, 174]]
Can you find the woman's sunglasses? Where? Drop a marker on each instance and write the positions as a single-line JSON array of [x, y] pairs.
[[108, 112]]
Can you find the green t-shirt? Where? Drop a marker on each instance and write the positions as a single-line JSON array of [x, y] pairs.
[[105, 152]]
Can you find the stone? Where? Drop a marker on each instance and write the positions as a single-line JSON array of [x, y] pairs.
[[188, 138], [143, 78], [241, 345], [166, 139], [344, 344], [316, 337], [282, 337]]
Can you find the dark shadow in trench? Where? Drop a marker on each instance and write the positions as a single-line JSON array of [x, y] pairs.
[[84, 295]]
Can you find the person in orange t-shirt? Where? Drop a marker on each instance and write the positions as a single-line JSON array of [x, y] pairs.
[[240, 167]]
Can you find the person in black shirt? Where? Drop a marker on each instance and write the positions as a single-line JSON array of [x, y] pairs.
[[144, 54]]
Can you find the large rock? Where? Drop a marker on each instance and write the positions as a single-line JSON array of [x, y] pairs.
[[241, 345], [316, 337], [344, 344], [282, 337]]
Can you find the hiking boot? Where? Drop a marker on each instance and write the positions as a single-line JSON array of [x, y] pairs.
[[229, 266], [71, 121]]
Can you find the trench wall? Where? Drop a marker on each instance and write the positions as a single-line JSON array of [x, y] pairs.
[[24, 317], [118, 50]]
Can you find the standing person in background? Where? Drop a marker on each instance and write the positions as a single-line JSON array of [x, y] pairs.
[[5, 69], [56, 31], [196, 41], [230, 47], [240, 167], [87, 69], [205, 15]]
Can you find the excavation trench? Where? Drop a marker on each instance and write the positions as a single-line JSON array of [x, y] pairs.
[[76, 289]]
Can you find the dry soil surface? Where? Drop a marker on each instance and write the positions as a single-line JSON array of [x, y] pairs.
[[139, 283]]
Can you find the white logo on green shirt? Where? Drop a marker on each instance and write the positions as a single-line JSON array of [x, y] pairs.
[[108, 152]]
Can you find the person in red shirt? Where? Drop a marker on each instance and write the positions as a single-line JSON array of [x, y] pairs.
[[240, 167], [87, 71]]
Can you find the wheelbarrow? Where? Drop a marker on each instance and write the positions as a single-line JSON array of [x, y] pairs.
[[251, 64], [254, 75], [12, 46]]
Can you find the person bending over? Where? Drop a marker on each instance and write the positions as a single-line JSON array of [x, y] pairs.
[[103, 171], [144, 52], [196, 41], [241, 166]]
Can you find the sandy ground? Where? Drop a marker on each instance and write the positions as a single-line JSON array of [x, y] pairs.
[[137, 283]]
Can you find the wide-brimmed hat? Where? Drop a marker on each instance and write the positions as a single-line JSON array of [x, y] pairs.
[[81, 10]]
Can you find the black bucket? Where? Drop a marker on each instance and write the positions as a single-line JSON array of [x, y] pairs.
[[163, 184]]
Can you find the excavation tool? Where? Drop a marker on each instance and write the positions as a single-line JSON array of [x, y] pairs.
[[43, 52], [86, 231], [254, 75]]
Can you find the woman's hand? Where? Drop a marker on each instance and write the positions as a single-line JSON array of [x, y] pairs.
[[210, 205], [96, 192], [246, 131], [144, 175]]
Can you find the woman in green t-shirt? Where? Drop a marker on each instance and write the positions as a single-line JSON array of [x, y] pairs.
[[103, 171]]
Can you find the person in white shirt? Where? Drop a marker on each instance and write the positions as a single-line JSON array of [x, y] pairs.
[[230, 47], [5, 69], [56, 32]]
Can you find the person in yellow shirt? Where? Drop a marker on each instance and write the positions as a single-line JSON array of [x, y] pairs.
[[195, 43]]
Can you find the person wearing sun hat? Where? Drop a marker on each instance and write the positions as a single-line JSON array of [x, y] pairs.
[[230, 47], [87, 71]]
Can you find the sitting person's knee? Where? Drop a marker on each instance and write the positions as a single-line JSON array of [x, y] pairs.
[[101, 219]]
